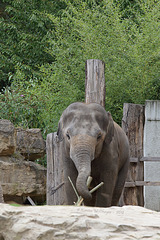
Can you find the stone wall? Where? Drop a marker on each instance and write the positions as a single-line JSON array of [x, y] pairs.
[[20, 177]]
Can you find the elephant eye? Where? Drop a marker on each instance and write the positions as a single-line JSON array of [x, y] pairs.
[[99, 136], [68, 136]]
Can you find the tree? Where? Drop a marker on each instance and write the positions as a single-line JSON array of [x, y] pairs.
[[58, 39]]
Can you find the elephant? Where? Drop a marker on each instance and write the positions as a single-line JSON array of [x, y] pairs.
[[94, 145]]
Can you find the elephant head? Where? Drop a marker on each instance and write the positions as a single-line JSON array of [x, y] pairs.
[[85, 128]]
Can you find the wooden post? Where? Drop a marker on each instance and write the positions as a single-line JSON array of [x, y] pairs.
[[1, 195], [57, 172], [50, 167], [58, 169], [95, 82], [133, 125]]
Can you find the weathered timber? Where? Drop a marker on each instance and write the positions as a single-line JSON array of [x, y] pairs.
[[133, 160], [147, 183], [31, 201], [145, 159], [150, 159], [50, 164], [133, 125], [1, 195], [95, 82], [141, 183], [58, 168], [56, 172]]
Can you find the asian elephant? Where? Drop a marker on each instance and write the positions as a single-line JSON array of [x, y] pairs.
[[94, 145]]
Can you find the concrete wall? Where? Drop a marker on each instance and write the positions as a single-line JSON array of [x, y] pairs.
[[152, 149]]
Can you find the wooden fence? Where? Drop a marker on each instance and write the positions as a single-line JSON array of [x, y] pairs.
[[137, 183], [132, 124]]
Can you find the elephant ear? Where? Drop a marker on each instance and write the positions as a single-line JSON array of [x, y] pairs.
[[110, 129], [59, 132]]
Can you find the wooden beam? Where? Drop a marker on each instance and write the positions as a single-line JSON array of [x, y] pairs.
[[1, 194], [147, 183], [140, 184], [133, 125], [150, 159], [133, 160], [50, 168], [95, 82]]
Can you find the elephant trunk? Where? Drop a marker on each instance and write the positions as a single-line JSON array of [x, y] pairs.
[[81, 183], [82, 155]]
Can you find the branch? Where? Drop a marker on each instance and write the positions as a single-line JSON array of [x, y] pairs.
[[80, 199]]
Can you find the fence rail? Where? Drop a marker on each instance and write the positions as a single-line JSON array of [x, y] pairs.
[[142, 183], [143, 159]]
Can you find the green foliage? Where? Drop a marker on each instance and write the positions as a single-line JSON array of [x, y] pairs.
[[45, 45], [23, 38], [126, 48]]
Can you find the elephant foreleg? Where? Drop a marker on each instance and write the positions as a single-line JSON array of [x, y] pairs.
[[119, 184], [105, 193]]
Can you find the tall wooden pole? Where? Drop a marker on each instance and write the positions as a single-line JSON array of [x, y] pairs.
[[95, 89]]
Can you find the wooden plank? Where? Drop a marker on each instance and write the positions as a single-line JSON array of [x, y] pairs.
[[1, 194], [50, 168], [129, 184], [147, 183], [150, 159], [31, 201], [140, 184], [143, 159], [95, 82], [133, 160], [133, 125]]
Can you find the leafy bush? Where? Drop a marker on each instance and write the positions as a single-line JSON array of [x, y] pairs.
[[45, 51]]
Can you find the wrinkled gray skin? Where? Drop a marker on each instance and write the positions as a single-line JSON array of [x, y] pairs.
[[99, 148]]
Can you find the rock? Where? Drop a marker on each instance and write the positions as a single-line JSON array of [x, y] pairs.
[[30, 143], [75, 223], [7, 138], [20, 179]]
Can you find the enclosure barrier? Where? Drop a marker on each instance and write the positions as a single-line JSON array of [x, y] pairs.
[[133, 123]]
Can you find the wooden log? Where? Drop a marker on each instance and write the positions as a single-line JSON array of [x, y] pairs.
[[50, 167], [57, 172], [1, 195], [95, 82], [133, 125]]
